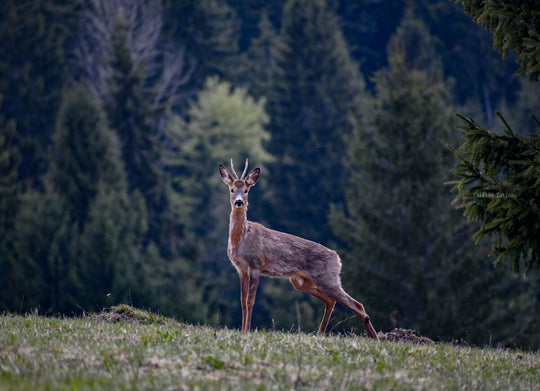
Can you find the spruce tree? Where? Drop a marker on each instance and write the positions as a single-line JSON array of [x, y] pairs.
[[499, 189], [61, 265], [407, 253], [87, 172], [259, 60], [395, 193], [109, 259], [497, 173], [135, 119], [209, 32], [130, 114], [84, 153], [315, 89], [35, 37], [41, 271], [515, 26]]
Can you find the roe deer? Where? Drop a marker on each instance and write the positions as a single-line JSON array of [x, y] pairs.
[[255, 250]]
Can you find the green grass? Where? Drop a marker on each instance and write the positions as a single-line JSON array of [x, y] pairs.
[[139, 350]]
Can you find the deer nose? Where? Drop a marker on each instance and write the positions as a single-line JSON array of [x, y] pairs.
[[238, 203]]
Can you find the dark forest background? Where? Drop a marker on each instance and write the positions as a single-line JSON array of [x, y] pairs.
[[115, 114]]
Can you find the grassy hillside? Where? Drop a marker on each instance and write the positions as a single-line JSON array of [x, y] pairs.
[[128, 349]]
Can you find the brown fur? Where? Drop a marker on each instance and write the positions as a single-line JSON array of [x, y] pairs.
[[256, 250]]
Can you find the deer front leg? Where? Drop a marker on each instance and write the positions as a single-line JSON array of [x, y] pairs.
[[244, 288], [254, 275]]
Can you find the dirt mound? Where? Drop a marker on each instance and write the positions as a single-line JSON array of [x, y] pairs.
[[126, 313], [404, 335]]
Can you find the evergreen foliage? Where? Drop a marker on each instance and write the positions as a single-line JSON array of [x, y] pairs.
[[209, 31], [136, 118], [84, 154], [131, 115], [260, 58], [9, 202], [41, 270], [394, 200], [79, 237], [516, 28], [315, 88], [401, 234], [499, 188], [498, 185], [35, 37], [9, 186]]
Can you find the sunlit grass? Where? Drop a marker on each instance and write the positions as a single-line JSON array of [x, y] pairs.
[[154, 353]]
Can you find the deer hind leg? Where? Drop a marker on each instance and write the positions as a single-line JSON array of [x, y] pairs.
[[358, 308], [308, 286]]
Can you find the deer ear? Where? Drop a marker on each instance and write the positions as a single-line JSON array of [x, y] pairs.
[[225, 175], [253, 176]]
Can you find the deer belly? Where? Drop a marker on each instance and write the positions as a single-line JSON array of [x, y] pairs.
[[278, 269]]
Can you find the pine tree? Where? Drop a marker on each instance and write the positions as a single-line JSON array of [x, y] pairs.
[[315, 89], [407, 253]]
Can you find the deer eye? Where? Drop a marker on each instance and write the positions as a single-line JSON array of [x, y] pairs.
[[232, 190], [245, 191]]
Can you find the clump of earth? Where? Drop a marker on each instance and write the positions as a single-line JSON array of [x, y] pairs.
[[126, 313], [404, 335]]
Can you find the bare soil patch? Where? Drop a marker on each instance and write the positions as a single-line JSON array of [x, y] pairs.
[[404, 335], [126, 313]]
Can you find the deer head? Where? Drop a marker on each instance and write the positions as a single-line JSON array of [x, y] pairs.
[[239, 187]]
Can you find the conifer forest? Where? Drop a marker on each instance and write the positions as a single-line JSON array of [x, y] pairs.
[[403, 134]]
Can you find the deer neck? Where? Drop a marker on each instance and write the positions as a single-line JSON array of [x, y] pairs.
[[237, 226]]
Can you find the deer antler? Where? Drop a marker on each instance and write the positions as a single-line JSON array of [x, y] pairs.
[[243, 173], [245, 169], [232, 168]]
